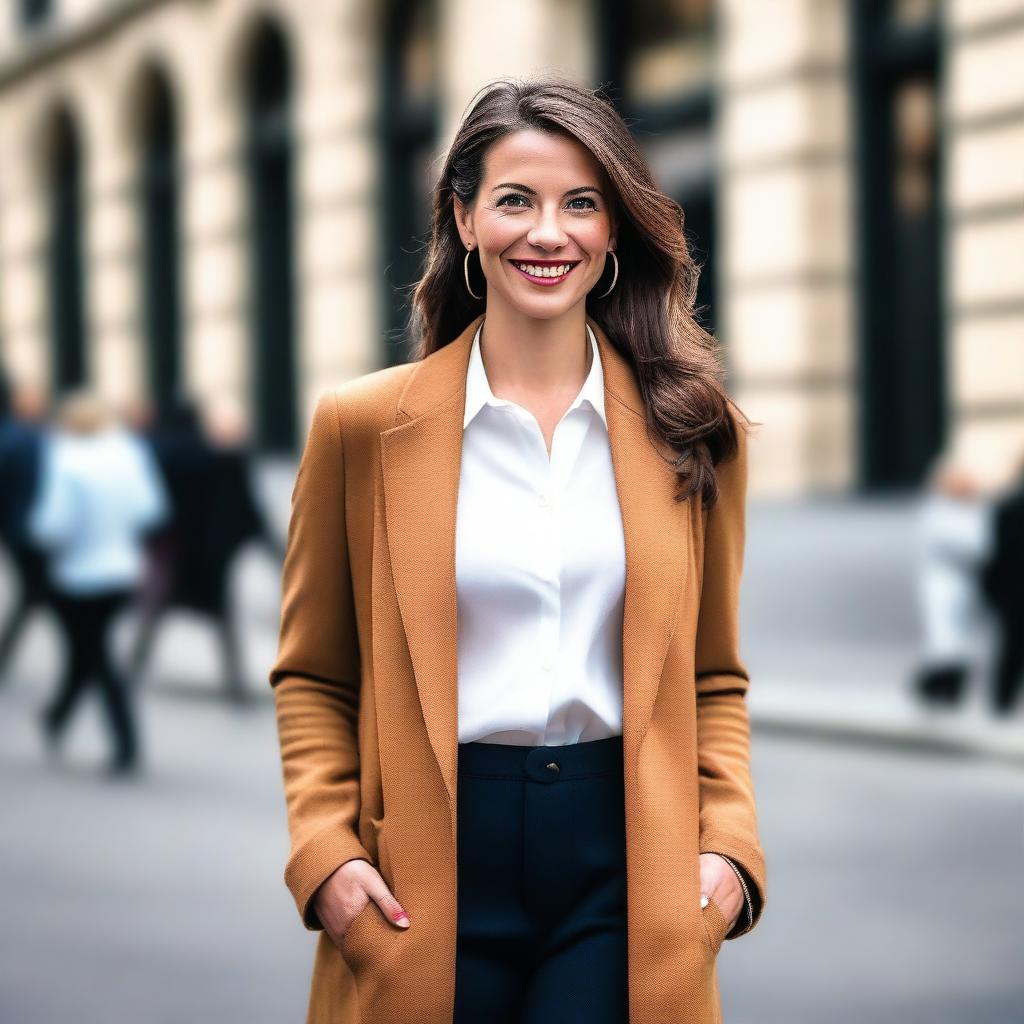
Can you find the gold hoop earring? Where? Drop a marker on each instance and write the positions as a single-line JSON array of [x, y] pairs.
[[465, 273], [615, 275]]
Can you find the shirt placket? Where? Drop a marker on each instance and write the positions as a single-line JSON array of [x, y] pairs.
[[547, 565], [565, 446]]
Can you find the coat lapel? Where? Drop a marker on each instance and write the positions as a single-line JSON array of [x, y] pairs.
[[421, 459]]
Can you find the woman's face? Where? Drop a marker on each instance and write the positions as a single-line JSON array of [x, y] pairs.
[[541, 221]]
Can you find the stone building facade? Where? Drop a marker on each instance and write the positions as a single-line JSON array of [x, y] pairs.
[[227, 197]]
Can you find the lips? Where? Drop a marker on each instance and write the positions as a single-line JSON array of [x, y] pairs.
[[545, 272]]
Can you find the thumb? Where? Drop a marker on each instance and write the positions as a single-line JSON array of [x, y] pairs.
[[377, 889]]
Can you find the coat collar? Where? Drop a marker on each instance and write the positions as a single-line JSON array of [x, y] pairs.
[[420, 464]]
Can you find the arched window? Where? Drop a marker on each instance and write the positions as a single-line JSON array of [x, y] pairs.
[[35, 12], [268, 158], [158, 198], [64, 256], [410, 116], [901, 354], [656, 57]]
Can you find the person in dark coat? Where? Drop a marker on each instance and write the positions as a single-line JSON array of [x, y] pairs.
[[22, 435], [215, 514], [1002, 582]]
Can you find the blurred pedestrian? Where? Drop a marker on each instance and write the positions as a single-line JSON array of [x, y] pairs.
[[21, 442], [206, 468], [953, 541], [1002, 581], [183, 457], [240, 518], [100, 492]]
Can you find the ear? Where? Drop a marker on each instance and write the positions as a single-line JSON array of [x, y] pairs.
[[464, 223]]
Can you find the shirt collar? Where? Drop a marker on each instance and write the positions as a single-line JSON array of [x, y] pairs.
[[479, 394]]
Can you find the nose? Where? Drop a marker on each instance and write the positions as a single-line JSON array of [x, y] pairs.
[[547, 232]]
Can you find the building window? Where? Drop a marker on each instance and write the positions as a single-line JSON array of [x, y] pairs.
[[410, 116], [269, 168], [656, 58], [35, 12], [901, 351], [158, 198], [670, 50], [65, 257]]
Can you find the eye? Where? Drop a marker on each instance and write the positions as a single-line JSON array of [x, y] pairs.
[[583, 199], [505, 200]]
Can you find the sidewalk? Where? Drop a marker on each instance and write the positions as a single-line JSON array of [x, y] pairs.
[[830, 627], [892, 719]]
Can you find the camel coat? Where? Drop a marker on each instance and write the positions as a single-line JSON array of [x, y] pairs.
[[365, 688]]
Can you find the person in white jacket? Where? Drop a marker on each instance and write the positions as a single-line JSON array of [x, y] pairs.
[[100, 492], [953, 540]]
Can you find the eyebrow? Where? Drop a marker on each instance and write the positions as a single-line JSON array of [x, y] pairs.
[[533, 192]]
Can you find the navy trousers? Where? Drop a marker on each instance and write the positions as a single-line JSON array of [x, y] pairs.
[[541, 884]]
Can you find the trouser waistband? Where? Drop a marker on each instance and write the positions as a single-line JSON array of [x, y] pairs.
[[544, 763]]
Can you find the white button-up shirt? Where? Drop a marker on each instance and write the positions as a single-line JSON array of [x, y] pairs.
[[540, 570]]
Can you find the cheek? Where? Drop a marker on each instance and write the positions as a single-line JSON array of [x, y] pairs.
[[594, 236], [496, 234]]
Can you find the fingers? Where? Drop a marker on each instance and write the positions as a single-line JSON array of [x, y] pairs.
[[715, 874], [345, 894], [718, 882], [378, 891], [370, 880]]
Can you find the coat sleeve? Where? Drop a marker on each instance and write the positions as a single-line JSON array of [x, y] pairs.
[[315, 678], [728, 816]]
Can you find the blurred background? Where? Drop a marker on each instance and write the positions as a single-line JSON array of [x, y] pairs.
[[211, 211]]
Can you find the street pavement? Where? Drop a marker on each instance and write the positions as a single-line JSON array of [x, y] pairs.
[[830, 631], [894, 857]]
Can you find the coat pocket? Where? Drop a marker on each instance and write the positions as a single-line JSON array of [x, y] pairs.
[[349, 944], [383, 864], [715, 926], [369, 933]]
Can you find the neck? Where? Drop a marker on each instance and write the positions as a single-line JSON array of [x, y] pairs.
[[524, 356]]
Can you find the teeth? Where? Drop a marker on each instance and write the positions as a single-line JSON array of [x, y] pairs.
[[535, 271]]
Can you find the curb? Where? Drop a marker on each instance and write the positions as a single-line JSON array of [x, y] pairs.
[[890, 721]]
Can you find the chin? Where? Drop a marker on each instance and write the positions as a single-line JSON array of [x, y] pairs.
[[544, 307]]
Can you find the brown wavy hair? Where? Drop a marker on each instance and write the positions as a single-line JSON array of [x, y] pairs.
[[648, 316]]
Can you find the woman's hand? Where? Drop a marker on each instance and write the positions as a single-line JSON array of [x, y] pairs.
[[345, 893], [718, 881]]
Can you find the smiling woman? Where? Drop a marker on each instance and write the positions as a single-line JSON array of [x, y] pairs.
[[509, 691]]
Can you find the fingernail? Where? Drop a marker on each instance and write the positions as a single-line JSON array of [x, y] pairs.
[[401, 918]]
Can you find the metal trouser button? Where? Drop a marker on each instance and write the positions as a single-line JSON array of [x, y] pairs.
[[540, 766]]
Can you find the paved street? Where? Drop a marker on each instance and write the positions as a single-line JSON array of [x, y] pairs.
[[895, 890]]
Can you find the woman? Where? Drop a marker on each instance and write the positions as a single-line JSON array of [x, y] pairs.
[[100, 493], [508, 686]]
